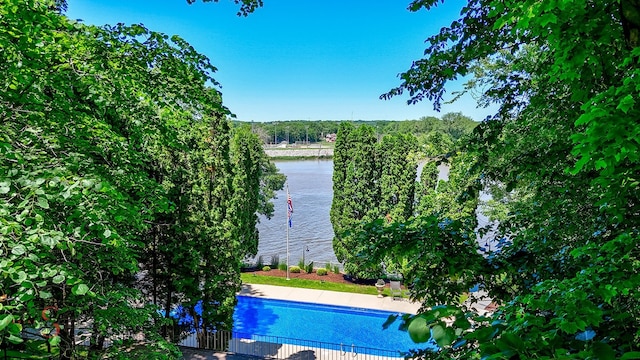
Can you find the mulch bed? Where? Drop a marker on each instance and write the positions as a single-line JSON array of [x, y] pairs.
[[330, 277]]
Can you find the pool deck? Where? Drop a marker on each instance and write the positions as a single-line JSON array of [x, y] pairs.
[[386, 303]]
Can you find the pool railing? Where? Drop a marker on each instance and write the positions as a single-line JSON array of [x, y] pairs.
[[276, 347]]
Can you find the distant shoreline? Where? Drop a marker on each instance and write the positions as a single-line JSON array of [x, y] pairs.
[[291, 154]]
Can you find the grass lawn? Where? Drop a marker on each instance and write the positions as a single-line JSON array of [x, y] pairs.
[[249, 278]]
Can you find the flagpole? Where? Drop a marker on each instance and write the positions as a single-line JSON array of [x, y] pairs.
[[287, 226]]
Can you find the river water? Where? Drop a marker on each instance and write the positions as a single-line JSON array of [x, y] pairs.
[[311, 190]]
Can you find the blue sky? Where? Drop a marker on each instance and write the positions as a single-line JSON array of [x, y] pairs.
[[299, 60]]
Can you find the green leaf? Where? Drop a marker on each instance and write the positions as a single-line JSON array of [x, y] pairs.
[[21, 277], [418, 330], [43, 202], [442, 336], [626, 103], [80, 289], [58, 279], [548, 18], [513, 341], [45, 295], [600, 164], [107, 233], [48, 241], [14, 327], [54, 341], [569, 326], [15, 339], [8, 319], [631, 355], [603, 351], [462, 323], [18, 250]]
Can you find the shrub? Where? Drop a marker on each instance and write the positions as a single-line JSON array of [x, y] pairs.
[[321, 272], [275, 261], [282, 266], [266, 268], [295, 269], [301, 264], [328, 267], [259, 262], [309, 268], [336, 269], [394, 276]]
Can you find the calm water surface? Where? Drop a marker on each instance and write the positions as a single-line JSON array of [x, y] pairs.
[[311, 190]]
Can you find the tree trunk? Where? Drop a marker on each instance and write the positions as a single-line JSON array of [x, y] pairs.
[[154, 255], [630, 16], [167, 305], [67, 336], [96, 342]]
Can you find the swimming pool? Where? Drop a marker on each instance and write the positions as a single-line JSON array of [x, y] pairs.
[[319, 322]]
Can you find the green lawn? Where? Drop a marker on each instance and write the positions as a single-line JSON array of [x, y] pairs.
[[249, 278]]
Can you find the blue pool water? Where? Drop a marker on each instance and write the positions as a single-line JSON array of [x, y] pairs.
[[317, 322]]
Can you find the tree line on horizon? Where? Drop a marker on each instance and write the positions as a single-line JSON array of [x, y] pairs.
[[454, 125]]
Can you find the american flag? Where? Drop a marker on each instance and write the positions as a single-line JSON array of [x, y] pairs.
[[289, 209]]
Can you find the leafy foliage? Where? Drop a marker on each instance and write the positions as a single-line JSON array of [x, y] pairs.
[[562, 173], [371, 180], [246, 6], [116, 181]]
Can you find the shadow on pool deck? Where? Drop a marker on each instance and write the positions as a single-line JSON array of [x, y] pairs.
[[249, 290], [198, 354]]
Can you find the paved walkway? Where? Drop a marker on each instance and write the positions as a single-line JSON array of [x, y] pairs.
[[330, 298]]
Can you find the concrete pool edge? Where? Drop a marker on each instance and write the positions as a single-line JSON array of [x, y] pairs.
[[330, 298]]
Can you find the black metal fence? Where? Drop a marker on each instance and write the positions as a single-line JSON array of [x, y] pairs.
[[275, 347], [257, 346]]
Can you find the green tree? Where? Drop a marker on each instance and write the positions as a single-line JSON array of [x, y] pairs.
[[361, 189], [565, 272], [435, 144], [371, 180], [397, 176], [77, 189], [456, 125], [255, 181], [338, 213], [571, 66], [116, 184]]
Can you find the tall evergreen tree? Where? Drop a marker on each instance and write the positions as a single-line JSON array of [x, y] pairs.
[[397, 176], [371, 181], [254, 183], [340, 164]]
